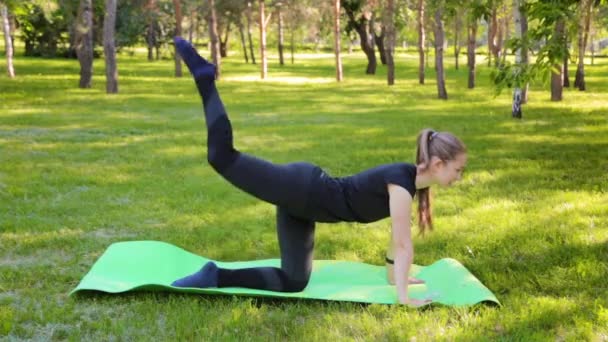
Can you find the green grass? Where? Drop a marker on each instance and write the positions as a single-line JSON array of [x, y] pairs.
[[80, 169]]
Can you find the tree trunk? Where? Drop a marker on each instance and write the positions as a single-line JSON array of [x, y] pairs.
[[524, 50], [491, 35], [109, 47], [389, 45], [581, 47], [84, 42], [339, 75], [471, 45], [151, 15], [8, 42], [367, 44], [421, 41], [215, 40], [557, 78], [496, 34], [517, 93], [500, 36], [588, 20], [379, 40], [457, 24], [178, 32], [251, 53], [150, 40], [507, 32], [262, 24], [566, 62], [223, 42], [366, 37], [161, 33], [191, 26], [439, 45], [243, 43], [583, 35], [281, 38], [516, 111]]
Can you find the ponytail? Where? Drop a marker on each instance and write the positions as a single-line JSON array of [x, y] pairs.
[[444, 146]]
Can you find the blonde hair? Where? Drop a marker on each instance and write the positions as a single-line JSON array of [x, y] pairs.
[[443, 145]]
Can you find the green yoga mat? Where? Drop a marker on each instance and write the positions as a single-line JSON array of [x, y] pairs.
[[154, 265]]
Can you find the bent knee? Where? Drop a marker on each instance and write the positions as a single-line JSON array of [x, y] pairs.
[[213, 156], [221, 157], [296, 285]]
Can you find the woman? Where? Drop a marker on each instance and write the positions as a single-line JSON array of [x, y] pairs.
[[304, 194]]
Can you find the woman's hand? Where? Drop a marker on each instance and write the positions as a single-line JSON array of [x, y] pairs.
[[416, 303], [414, 281]]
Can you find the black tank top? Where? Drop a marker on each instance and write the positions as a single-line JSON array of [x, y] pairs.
[[362, 197]]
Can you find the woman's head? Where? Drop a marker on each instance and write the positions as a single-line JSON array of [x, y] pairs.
[[443, 156]]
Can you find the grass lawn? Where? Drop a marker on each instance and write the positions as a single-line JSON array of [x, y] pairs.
[[80, 169]]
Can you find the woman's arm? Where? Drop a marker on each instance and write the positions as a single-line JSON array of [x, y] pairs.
[[400, 204], [390, 263], [390, 268]]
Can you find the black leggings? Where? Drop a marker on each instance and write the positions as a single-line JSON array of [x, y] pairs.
[[286, 186]]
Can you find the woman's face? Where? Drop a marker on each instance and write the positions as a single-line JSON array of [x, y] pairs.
[[448, 172]]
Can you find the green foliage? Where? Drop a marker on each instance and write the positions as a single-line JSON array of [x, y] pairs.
[[352, 5], [130, 24], [478, 9], [551, 47], [403, 16], [233, 10], [354, 19], [45, 26], [41, 31], [509, 75]]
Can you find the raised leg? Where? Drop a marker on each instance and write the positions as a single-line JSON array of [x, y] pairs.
[[281, 185]]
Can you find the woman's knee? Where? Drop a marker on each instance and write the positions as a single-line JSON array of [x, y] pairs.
[[214, 157], [293, 285], [220, 149], [220, 160]]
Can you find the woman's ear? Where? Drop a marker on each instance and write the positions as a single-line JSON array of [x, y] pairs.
[[435, 163]]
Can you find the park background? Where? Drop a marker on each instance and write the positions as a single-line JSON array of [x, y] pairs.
[[91, 155]]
